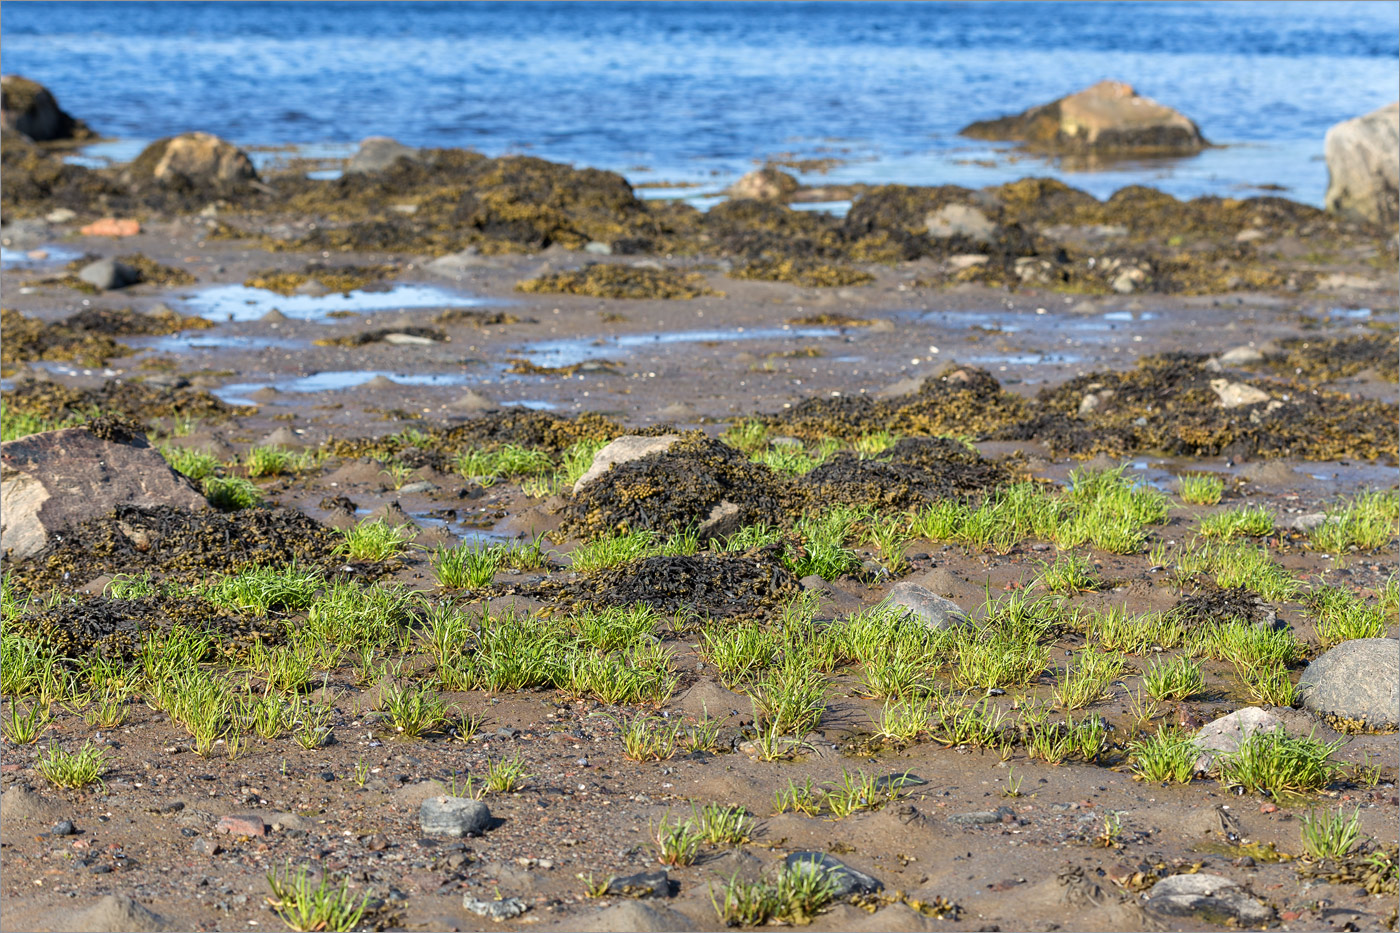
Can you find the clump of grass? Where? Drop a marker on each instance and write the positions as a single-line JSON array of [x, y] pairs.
[[231, 493], [647, 737], [74, 769], [677, 844], [194, 464], [1267, 682], [1247, 521], [891, 536], [376, 540], [1071, 573], [25, 729], [265, 590], [612, 551], [488, 467], [790, 698], [1366, 522], [1167, 756], [1244, 645], [1177, 679], [1090, 679], [1116, 630], [739, 652], [823, 550], [720, 825], [506, 776], [795, 896], [305, 906], [1330, 835], [751, 536], [267, 461], [747, 436], [1200, 488], [1279, 764], [465, 567], [413, 710], [902, 722], [1342, 616], [992, 659]]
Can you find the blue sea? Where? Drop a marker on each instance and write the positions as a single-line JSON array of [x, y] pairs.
[[698, 93]]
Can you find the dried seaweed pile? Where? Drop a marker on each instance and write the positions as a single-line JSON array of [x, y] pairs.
[[726, 585], [178, 544], [910, 474], [134, 400], [1213, 604]]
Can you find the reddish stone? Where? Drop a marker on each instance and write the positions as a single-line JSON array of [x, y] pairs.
[[111, 226], [1269, 808], [1290, 914], [10, 767], [242, 826]]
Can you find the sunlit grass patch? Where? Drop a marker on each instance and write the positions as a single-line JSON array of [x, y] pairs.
[[1200, 488], [375, 540], [1246, 521], [1366, 522], [231, 493], [1341, 616], [1279, 764]]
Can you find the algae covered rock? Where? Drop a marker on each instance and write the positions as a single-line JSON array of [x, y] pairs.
[[625, 449], [56, 479], [1363, 166], [1108, 118], [28, 107], [377, 153], [1356, 685], [193, 161]]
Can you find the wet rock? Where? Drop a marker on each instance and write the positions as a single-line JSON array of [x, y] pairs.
[[928, 607], [847, 880], [1363, 166], [55, 479], [114, 913], [1241, 356], [961, 221], [1356, 684], [642, 884], [503, 909], [194, 161], [627, 448], [1093, 401], [1228, 733], [376, 153], [453, 816], [1108, 118], [28, 107], [1237, 394], [765, 184], [108, 274], [1305, 522], [1210, 897], [636, 917]]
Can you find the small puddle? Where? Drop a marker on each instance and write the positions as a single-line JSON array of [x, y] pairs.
[[190, 341], [1027, 359], [46, 255], [834, 208], [240, 393], [575, 350], [241, 303]]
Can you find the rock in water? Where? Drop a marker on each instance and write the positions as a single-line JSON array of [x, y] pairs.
[[1210, 897], [28, 107], [59, 478], [376, 153], [1108, 118], [765, 184], [1363, 166], [1356, 684], [108, 274], [453, 816], [928, 607], [1227, 734]]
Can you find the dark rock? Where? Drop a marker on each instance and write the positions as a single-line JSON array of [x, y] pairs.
[[453, 816], [29, 108], [846, 879], [642, 884], [108, 274]]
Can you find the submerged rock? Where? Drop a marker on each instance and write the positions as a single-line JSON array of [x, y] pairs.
[[1363, 166], [53, 480], [29, 108], [1356, 685], [1109, 117]]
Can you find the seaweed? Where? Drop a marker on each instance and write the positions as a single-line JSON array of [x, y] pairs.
[[334, 278], [117, 628], [608, 280], [54, 402]]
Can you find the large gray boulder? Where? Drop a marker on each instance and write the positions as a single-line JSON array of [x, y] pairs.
[[28, 107], [1363, 166], [1356, 684], [625, 449], [934, 611], [55, 479], [376, 153], [1109, 118]]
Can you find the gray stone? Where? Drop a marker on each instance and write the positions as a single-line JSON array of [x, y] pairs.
[[1363, 166], [453, 816], [960, 221], [1129, 281], [982, 817], [409, 340], [1228, 733], [418, 487], [51, 480], [597, 248], [1306, 522], [1357, 682], [1237, 394], [1211, 897], [765, 184], [636, 917], [847, 880], [928, 607], [724, 520], [113, 913], [642, 884], [61, 215], [1092, 401], [625, 449], [503, 909], [108, 274], [376, 153], [455, 265]]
